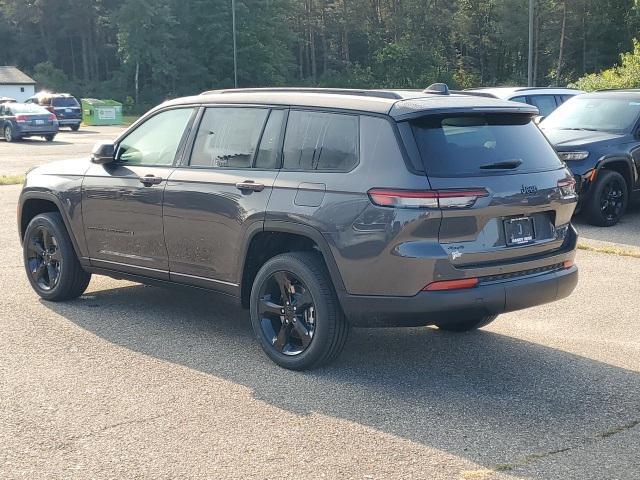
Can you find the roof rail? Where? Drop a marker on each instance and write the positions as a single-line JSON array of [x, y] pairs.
[[520, 89], [336, 91], [437, 89], [617, 90]]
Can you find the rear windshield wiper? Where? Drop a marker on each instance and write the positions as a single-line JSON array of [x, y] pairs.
[[506, 165]]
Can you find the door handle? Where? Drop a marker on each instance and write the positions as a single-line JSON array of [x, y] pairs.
[[149, 180], [250, 186]]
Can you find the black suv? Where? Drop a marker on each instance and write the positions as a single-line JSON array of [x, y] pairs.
[[317, 210], [64, 106], [598, 136]]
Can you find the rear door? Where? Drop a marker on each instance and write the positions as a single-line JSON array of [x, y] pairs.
[[219, 196], [122, 201], [519, 201]]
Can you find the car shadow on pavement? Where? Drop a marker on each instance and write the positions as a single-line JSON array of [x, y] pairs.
[[493, 399], [37, 142]]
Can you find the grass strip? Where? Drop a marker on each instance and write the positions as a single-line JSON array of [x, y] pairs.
[[11, 179]]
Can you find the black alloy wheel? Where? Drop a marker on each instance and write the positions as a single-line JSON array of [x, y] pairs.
[[52, 267], [612, 199], [287, 313], [295, 313], [44, 259], [608, 199]]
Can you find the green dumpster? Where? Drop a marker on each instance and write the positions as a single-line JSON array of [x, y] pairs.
[[101, 112]]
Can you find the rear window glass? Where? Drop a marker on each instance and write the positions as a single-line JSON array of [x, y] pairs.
[[482, 145], [64, 102], [19, 108], [321, 141]]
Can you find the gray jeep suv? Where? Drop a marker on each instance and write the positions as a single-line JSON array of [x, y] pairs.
[[317, 210]]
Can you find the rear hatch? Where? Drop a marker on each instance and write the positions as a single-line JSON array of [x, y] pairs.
[[506, 197], [66, 108]]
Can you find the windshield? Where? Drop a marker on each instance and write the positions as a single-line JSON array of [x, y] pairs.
[[452, 146], [22, 108], [64, 102], [616, 115]]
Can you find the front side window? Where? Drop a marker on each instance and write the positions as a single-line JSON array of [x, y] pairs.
[[228, 137], [156, 141], [321, 141]]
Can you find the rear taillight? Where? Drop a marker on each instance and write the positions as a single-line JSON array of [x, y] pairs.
[[567, 187], [384, 197], [452, 284], [21, 118], [52, 117]]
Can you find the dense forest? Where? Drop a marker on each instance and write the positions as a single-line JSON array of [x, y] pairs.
[[142, 51]]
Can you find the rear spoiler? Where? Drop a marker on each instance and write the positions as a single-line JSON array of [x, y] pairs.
[[419, 107]]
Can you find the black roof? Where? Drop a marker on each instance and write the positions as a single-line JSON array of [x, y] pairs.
[[400, 104]]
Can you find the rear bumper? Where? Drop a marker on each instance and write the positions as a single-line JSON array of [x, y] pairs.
[[428, 308], [69, 121]]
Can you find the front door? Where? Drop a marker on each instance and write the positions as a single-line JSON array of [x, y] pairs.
[[122, 201], [213, 203]]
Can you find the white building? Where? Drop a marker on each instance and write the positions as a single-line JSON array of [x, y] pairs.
[[15, 84]]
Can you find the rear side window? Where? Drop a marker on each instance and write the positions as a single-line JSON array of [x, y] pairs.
[[545, 103], [64, 102], [228, 137], [453, 146], [267, 157], [321, 141]]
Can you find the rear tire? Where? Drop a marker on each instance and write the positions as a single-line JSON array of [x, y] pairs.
[[75, 128], [49, 138], [467, 324], [50, 261], [309, 335], [608, 199]]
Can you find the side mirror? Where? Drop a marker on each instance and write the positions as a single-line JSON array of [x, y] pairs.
[[537, 120], [103, 153]]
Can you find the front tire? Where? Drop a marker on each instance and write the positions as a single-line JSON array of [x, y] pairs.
[[467, 324], [8, 134], [295, 312], [608, 199], [50, 261]]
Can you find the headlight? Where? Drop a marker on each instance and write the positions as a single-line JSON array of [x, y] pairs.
[[573, 156]]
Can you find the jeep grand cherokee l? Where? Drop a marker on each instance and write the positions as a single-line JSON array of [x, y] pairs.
[[317, 210], [598, 136]]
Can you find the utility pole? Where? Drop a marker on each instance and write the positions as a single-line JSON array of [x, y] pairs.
[[235, 56], [530, 63]]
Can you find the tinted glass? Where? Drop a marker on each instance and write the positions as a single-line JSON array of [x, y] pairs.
[[64, 102], [156, 141], [616, 115], [28, 108], [268, 152], [228, 137], [460, 145], [321, 141], [519, 99], [545, 103]]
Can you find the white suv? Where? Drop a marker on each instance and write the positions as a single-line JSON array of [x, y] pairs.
[[547, 99]]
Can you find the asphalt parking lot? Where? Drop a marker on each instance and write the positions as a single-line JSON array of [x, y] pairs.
[[16, 158], [139, 382]]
